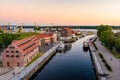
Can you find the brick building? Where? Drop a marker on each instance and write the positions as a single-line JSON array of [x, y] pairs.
[[20, 52]]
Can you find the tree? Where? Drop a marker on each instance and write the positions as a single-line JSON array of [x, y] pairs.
[[1, 31], [117, 45], [20, 29], [102, 28], [1, 43], [6, 39], [107, 37]]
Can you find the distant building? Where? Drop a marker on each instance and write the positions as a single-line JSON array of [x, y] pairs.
[[8, 28], [67, 33], [64, 32], [47, 38]]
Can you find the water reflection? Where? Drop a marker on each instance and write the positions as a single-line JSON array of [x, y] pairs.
[[67, 47], [85, 49]]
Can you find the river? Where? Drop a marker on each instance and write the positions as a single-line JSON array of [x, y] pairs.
[[73, 64]]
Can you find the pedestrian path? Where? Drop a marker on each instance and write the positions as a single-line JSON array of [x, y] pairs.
[[10, 74], [111, 60]]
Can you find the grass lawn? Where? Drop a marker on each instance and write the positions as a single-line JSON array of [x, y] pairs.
[[24, 35], [114, 53], [35, 58]]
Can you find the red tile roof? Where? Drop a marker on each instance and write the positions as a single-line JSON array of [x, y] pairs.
[[26, 45], [73, 32], [44, 35]]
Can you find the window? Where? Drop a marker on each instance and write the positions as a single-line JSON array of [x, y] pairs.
[[7, 51], [8, 64], [12, 47], [12, 51], [12, 55], [18, 64], [7, 55], [17, 56], [17, 51]]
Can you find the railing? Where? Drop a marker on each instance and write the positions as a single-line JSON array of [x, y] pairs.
[[26, 70]]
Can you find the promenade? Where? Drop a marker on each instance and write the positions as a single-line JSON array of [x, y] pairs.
[[114, 63]]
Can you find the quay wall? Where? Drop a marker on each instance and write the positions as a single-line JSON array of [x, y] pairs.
[[95, 62]]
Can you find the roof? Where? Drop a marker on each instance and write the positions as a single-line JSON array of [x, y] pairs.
[[44, 35], [26, 45], [73, 32]]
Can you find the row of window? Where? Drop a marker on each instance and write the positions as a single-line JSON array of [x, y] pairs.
[[12, 51], [8, 64], [26, 41], [12, 56], [12, 47]]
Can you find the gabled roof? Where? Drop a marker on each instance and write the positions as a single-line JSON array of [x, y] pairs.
[[73, 32], [26, 45], [44, 35]]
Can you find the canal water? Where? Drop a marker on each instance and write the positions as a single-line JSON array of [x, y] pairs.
[[73, 64]]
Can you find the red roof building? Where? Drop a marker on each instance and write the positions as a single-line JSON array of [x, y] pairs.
[[20, 52]]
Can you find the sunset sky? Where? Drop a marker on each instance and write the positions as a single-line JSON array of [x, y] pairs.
[[60, 12]]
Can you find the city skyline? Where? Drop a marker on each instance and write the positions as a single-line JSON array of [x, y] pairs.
[[60, 12]]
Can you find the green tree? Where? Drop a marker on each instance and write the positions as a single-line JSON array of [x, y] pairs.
[[108, 38], [36, 28], [117, 45], [1, 43], [1, 31], [102, 28]]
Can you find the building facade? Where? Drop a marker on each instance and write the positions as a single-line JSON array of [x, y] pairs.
[[20, 52]]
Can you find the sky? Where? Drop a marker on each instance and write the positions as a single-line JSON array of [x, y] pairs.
[[60, 12]]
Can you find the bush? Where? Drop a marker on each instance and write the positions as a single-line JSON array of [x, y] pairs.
[[104, 60], [108, 67], [101, 56]]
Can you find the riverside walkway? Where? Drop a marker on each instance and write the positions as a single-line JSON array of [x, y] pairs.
[[97, 64], [114, 63]]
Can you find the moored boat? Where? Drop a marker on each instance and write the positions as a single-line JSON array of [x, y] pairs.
[[85, 44], [61, 48]]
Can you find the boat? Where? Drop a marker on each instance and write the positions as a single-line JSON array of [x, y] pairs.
[[61, 48], [85, 44]]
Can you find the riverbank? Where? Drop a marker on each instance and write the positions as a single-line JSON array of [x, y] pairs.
[[96, 63], [114, 63]]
